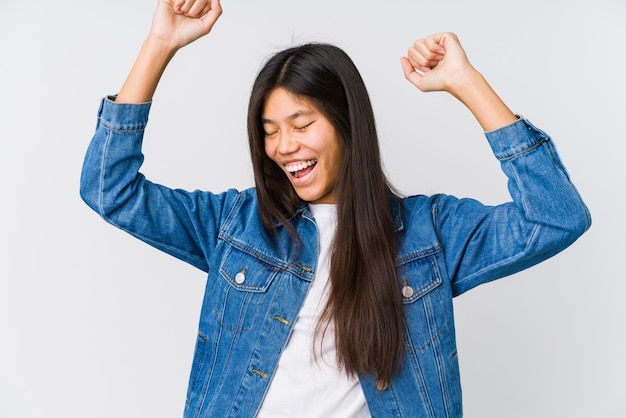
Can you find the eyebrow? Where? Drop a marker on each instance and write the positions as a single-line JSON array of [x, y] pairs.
[[291, 117]]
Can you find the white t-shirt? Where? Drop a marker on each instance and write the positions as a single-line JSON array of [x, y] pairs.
[[307, 385]]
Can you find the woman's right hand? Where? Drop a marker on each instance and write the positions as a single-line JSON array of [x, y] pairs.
[[180, 22], [175, 23]]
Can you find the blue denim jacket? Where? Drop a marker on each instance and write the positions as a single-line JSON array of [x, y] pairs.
[[254, 290]]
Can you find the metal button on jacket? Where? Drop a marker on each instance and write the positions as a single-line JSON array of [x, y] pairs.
[[241, 276]]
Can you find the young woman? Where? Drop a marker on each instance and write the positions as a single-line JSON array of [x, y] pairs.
[[328, 294]]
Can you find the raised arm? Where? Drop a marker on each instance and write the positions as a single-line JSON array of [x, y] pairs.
[[438, 63], [176, 23], [111, 183], [483, 243]]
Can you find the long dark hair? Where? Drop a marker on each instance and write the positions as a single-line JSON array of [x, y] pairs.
[[365, 304]]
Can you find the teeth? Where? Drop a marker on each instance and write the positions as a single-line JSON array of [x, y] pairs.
[[300, 165]]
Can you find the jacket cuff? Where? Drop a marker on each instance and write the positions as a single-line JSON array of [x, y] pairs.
[[123, 116], [516, 138]]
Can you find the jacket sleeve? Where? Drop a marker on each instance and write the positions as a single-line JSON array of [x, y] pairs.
[[183, 224], [547, 214]]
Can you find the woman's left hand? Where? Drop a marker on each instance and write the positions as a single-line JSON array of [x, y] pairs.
[[439, 63], [436, 63]]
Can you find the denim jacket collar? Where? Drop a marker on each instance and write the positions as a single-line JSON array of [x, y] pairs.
[[395, 206]]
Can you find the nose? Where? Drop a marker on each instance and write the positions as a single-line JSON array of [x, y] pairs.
[[287, 144]]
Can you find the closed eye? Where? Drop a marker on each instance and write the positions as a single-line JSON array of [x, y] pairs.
[[303, 128]]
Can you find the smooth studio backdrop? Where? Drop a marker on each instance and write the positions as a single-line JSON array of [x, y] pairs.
[[94, 323]]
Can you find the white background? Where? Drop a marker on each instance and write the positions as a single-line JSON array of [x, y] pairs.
[[96, 324]]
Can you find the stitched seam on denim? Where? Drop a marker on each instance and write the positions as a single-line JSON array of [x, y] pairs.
[[194, 378], [417, 370], [532, 237], [422, 291], [429, 342], [433, 337], [242, 308], [525, 208], [428, 310], [244, 287], [228, 221], [533, 146], [205, 382], [442, 377], [227, 363], [396, 403], [254, 358], [431, 285], [112, 127], [102, 174], [433, 249], [272, 262], [218, 343], [261, 256], [526, 211], [267, 319], [289, 266], [226, 328], [247, 288], [434, 212]]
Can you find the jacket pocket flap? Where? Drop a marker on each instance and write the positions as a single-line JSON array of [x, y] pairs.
[[419, 274], [245, 272]]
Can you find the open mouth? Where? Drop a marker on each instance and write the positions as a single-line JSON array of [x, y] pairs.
[[301, 168]]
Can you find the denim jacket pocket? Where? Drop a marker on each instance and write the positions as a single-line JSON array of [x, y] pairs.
[[246, 282], [420, 282]]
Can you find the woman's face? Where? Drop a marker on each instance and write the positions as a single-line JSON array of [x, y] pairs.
[[304, 144]]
